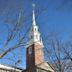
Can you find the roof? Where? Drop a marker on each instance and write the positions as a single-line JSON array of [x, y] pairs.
[[9, 68], [45, 66]]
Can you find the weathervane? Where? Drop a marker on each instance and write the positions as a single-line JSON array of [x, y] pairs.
[[33, 5]]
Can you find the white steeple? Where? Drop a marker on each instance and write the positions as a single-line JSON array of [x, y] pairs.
[[34, 35]]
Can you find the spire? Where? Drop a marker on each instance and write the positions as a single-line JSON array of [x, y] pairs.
[[33, 16], [34, 34]]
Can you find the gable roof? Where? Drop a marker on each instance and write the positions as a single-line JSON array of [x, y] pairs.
[[45, 66]]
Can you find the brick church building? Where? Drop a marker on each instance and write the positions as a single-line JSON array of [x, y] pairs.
[[34, 51]]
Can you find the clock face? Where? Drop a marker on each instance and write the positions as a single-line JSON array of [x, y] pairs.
[[30, 50]]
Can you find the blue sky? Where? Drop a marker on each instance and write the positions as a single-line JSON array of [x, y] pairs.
[[56, 17]]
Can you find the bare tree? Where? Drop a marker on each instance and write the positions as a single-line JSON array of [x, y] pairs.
[[15, 37], [68, 50], [56, 54]]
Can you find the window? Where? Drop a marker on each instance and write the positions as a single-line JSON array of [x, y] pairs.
[[35, 29], [30, 50]]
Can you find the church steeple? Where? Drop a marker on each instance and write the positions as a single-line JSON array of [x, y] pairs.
[[34, 51], [34, 35]]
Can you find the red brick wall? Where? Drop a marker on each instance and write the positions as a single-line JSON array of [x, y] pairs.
[[39, 54], [36, 57]]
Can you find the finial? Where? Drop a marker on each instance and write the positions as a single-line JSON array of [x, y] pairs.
[[33, 5], [34, 22]]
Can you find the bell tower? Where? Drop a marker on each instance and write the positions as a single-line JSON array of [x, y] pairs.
[[34, 47]]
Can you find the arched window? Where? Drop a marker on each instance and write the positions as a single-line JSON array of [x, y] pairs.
[[35, 29], [30, 50]]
